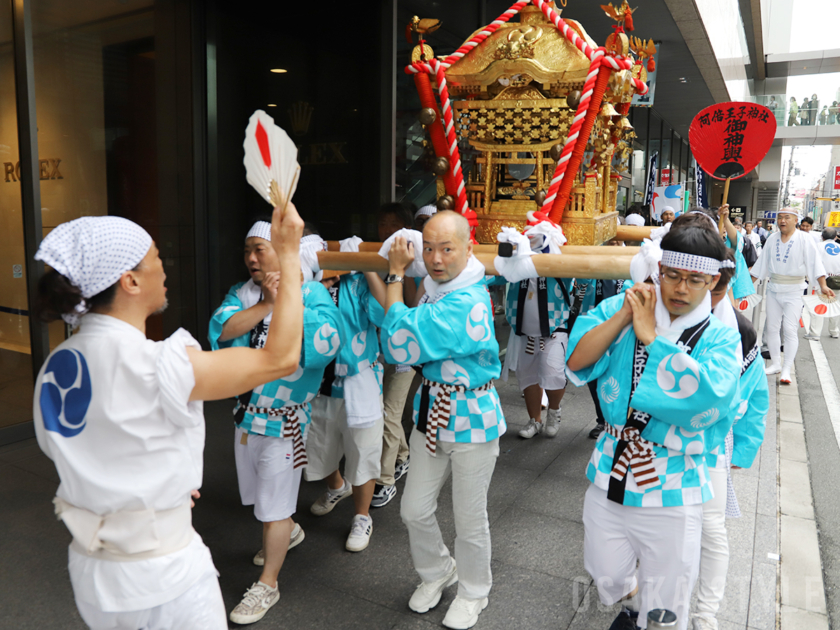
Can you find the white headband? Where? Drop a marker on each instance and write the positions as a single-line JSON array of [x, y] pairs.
[[309, 248], [634, 219], [426, 211], [260, 229], [92, 253], [703, 214], [692, 262]]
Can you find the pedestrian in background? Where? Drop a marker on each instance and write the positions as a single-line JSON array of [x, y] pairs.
[[814, 110], [793, 117]]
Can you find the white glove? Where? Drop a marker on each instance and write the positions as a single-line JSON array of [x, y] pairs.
[[350, 244], [309, 248], [522, 245], [645, 264], [543, 233], [416, 269], [519, 266]]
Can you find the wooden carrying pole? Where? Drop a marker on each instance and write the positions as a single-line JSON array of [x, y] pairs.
[[590, 250], [614, 267], [725, 197]]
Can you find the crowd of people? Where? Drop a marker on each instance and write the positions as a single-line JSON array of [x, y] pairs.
[[807, 113], [320, 364]]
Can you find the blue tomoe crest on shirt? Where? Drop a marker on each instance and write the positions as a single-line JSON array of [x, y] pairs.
[[66, 393], [678, 375], [832, 249]]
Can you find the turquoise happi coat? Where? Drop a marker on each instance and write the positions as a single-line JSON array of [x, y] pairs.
[[684, 394], [454, 340], [322, 340]]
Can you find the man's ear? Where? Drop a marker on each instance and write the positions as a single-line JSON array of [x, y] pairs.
[[469, 249], [129, 282], [715, 280]]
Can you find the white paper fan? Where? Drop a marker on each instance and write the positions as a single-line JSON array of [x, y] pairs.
[[270, 155], [820, 305], [744, 303]]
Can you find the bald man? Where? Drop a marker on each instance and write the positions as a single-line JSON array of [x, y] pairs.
[[457, 413]]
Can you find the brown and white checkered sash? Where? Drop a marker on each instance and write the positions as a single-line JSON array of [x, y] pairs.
[[532, 342], [638, 457], [442, 408], [291, 427]]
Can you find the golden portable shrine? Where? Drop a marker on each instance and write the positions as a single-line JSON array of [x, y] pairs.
[[544, 109]]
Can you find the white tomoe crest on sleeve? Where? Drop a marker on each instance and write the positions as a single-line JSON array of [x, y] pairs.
[[610, 390], [326, 340], [359, 343], [478, 323], [680, 371], [404, 347], [93, 252], [453, 373], [702, 420]]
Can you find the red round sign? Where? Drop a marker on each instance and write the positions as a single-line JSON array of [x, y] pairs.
[[744, 305], [731, 139], [820, 309]]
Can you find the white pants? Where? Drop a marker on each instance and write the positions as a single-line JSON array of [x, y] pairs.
[[714, 555], [546, 368], [472, 468], [267, 477], [790, 305], [817, 326], [329, 438], [665, 541], [200, 608]]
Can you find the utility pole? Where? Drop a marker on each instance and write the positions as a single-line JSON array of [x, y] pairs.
[[785, 198]]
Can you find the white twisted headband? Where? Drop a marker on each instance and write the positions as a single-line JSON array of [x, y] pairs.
[[692, 262]]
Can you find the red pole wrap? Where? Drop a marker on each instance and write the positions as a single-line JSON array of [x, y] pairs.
[[436, 132], [564, 193]]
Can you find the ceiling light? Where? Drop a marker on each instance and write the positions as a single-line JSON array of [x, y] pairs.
[[272, 104], [279, 70]]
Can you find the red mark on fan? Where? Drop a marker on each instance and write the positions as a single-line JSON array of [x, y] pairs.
[[820, 309], [262, 143], [744, 305]]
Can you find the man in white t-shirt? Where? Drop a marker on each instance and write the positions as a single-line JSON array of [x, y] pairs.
[[751, 234], [122, 418]]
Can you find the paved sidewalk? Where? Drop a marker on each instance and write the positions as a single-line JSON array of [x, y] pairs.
[[535, 506]]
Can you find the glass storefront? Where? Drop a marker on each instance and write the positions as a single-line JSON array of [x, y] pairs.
[[15, 351], [140, 108]]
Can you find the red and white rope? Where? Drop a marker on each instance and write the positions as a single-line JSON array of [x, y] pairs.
[[597, 58]]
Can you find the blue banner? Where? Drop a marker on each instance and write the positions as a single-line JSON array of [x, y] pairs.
[[651, 178], [702, 200]]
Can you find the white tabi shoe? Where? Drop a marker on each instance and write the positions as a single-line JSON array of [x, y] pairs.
[[773, 368], [784, 377]]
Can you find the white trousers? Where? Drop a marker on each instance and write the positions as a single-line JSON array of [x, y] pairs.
[[200, 608], [665, 541], [817, 326], [790, 305], [472, 468], [714, 555]]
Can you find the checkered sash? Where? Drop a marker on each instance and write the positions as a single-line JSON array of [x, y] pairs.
[[291, 428], [442, 409], [532, 341], [638, 457]]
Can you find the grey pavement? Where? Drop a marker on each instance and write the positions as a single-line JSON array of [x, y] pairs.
[[823, 456], [535, 508]]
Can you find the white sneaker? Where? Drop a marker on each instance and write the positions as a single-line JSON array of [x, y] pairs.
[[256, 602], [552, 423], [294, 540], [784, 377], [773, 368], [704, 623], [327, 501], [463, 613], [531, 429], [360, 532], [427, 595]]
